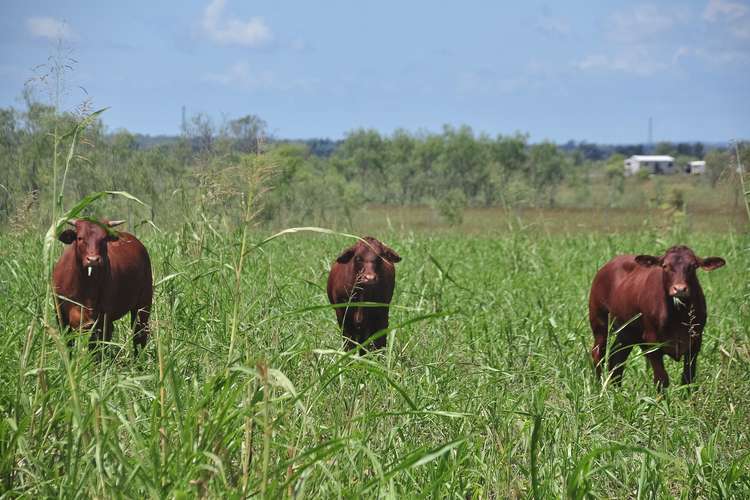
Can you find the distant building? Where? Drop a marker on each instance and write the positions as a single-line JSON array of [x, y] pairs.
[[653, 164], [696, 167]]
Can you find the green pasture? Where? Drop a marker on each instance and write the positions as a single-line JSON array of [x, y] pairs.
[[486, 389]]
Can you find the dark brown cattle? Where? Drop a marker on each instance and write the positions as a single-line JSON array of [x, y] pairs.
[[666, 293], [364, 272], [101, 276]]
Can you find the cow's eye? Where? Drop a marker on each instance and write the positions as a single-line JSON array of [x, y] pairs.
[[358, 259]]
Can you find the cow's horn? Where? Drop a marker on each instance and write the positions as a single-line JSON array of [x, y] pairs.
[[72, 222], [115, 223]]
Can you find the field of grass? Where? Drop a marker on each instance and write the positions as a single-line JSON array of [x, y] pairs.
[[557, 221], [486, 389]]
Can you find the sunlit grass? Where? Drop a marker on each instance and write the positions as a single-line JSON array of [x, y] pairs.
[[489, 392]]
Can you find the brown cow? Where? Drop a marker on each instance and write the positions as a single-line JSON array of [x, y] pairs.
[[364, 272], [666, 293], [101, 276]]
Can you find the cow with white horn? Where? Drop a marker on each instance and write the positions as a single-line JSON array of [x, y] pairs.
[[102, 275]]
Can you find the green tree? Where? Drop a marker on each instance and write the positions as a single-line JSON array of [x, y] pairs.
[[665, 148], [451, 207], [545, 171], [361, 159], [718, 165], [462, 163], [400, 157], [246, 133], [508, 159]]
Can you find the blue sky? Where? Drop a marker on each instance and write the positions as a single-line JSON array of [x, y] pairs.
[[591, 71]]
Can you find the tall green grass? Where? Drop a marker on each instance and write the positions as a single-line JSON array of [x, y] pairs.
[[486, 388]]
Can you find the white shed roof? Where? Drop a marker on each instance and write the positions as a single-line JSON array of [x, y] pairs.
[[652, 158], [697, 163]]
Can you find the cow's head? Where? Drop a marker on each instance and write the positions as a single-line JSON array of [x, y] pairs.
[[679, 265], [90, 240], [368, 256]]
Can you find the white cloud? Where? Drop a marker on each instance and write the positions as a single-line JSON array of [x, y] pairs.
[[644, 22], [718, 9], [49, 27], [641, 39], [635, 61], [724, 57], [241, 75], [645, 40], [734, 16], [253, 32]]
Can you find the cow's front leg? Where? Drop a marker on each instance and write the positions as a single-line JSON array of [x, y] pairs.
[[100, 331], [655, 356], [349, 341], [351, 335], [76, 320], [616, 362], [380, 329], [689, 368], [95, 338], [139, 324], [691, 359], [63, 321], [600, 327], [656, 359]]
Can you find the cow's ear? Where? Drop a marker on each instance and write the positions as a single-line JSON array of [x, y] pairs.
[[346, 256], [68, 236], [711, 263], [648, 260], [390, 255]]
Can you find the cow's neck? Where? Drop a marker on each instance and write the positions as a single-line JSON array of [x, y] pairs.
[[363, 294], [91, 287]]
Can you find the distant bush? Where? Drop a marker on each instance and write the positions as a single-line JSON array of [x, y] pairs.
[[451, 207]]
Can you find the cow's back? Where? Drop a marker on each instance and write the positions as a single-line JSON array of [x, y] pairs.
[[623, 288], [611, 277]]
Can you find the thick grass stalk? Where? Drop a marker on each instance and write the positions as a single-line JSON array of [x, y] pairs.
[[535, 435], [237, 287], [247, 458], [534, 461], [162, 409], [247, 442], [263, 372], [741, 171]]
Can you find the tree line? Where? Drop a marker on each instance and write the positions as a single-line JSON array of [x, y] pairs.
[[215, 170]]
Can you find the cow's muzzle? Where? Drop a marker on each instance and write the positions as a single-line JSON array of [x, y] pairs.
[[367, 279], [92, 263], [680, 291], [93, 260]]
